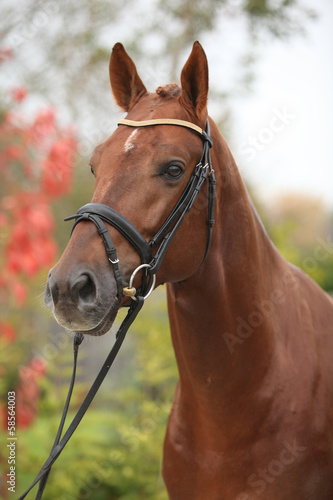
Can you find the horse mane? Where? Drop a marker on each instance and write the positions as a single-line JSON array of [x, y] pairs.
[[170, 90]]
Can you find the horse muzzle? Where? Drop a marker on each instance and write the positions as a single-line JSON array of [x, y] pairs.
[[82, 300]]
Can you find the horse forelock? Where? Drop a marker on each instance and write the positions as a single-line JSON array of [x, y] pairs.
[[170, 90], [174, 91]]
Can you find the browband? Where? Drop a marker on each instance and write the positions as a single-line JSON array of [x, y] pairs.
[[161, 121]]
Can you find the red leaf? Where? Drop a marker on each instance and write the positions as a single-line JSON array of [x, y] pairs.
[[39, 366], [8, 332], [20, 293]]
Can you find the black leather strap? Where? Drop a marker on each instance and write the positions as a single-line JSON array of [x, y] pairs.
[[77, 342], [201, 172], [59, 445], [211, 192], [176, 217], [117, 220], [179, 208], [110, 249]]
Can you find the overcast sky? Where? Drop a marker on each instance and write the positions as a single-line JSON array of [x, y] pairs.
[[282, 138]]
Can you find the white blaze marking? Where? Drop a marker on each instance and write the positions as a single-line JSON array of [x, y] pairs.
[[129, 144]]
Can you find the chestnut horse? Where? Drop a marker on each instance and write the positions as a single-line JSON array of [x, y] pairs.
[[252, 334]]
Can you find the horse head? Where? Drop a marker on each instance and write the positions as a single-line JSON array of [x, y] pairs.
[[141, 173]]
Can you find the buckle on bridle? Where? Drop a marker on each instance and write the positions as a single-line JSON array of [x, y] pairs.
[[114, 261]]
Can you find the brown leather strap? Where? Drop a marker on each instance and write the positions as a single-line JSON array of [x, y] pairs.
[[161, 121]]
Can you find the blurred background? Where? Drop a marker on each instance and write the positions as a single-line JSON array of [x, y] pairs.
[[271, 81]]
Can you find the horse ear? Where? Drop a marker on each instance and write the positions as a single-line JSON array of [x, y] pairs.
[[126, 85], [194, 81]]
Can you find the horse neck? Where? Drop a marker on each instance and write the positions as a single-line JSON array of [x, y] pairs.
[[212, 314]]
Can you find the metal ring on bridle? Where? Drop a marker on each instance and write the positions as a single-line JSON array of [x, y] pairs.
[[152, 286]]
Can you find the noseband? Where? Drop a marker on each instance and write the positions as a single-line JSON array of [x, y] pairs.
[[99, 213], [150, 264]]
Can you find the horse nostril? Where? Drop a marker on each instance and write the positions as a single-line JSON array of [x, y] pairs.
[[84, 290], [51, 296], [88, 289]]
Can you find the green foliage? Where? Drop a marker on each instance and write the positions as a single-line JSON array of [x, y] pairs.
[[301, 227], [116, 452], [277, 17], [106, 459]]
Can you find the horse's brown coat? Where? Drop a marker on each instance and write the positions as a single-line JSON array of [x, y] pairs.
[[253, 335]]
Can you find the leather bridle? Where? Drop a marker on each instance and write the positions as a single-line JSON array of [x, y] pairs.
[[98, 214]]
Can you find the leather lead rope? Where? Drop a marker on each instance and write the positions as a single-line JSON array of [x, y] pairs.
[[58, 446], [76, 343]]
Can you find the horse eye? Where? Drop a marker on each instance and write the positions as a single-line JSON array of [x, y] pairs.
[[92, 169], [174, 171]]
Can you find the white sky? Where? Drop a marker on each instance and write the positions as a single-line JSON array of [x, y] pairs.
[[291, 78], [296, 76]]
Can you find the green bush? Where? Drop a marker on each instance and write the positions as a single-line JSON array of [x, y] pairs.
[[116, 452]]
